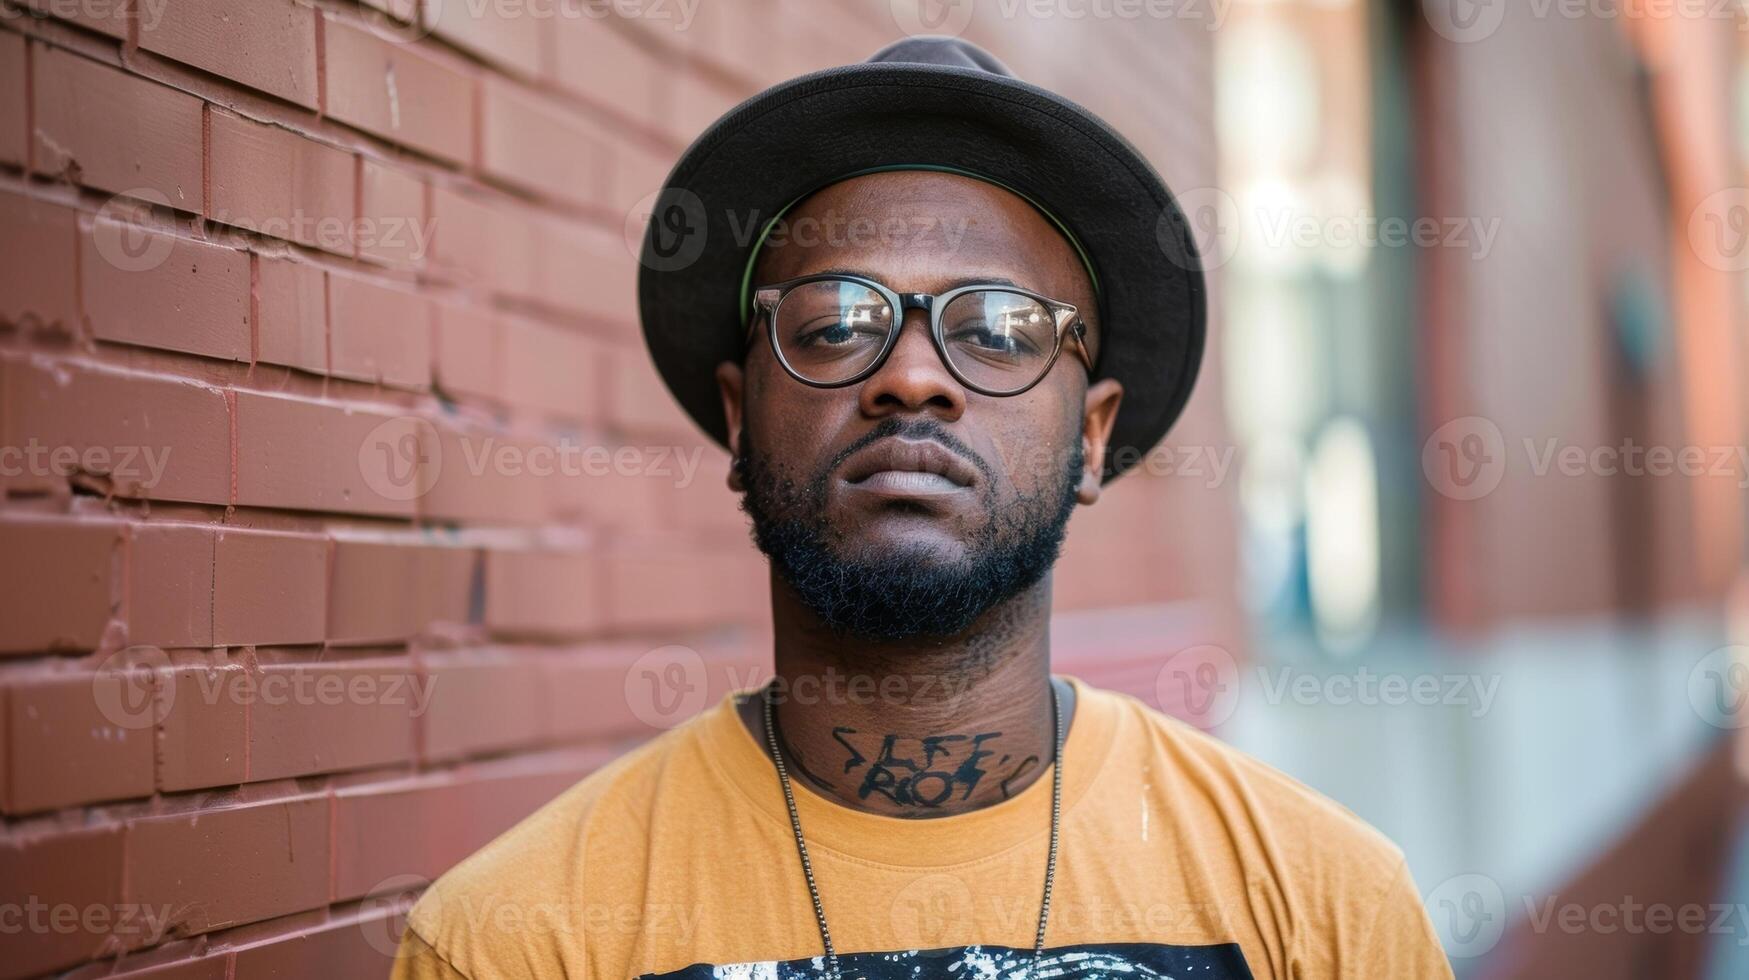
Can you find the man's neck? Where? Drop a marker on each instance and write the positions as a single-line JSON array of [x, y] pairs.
[[922, 728]]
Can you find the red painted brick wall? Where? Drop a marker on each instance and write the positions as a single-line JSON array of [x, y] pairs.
[[300, 602]]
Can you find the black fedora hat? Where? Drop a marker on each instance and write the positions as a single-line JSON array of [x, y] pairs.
[[925, 103]]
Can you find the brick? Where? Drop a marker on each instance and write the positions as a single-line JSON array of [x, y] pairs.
[[223, 867], [114, 131], [195, 966], [490, 244], [56, 583], [203, 726], [280, 183], [154, 437], [482, 476], [602, 490], [646, 572], [105, 16], [378, 334], [361, 945], [392, 228], [588, 270], [312, 718], [637, 174], [170, 585], [467, 352], [325, 456], [269, 588], [689, 492], [265, 44], [396, 92], [383, 834], [540, 593], [508, 34], [291, 325], [637, 397], [706, 501], [171, 293], [71, 868], [585, 694], [432, 584], [480, 704], [403, 10], [552, 369], [698, 102], [599, 60], [540, 147], [38, 262], [63, 750], [14, 128]]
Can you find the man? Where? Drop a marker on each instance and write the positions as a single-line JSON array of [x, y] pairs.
[[914, 411]]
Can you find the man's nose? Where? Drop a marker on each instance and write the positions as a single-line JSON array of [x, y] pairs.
[[913, 379]]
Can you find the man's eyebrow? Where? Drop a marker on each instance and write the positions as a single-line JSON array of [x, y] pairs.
[[955, 284]]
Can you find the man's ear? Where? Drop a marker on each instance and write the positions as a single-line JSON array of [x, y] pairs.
[[730, 378], [1103, 398]]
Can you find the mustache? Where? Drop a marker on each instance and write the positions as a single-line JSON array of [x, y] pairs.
[[914, 429]]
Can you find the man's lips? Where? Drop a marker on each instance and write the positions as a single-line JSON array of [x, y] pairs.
[[905, 468]]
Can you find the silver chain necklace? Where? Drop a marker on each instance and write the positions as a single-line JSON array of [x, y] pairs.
[[795, 822]]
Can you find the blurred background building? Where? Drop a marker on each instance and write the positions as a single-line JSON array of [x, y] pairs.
[[1452, 529]]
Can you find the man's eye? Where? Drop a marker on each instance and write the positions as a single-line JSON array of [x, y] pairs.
[[977, 334], [835, 331]]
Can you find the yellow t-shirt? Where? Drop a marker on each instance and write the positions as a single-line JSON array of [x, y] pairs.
[[1180, 857]]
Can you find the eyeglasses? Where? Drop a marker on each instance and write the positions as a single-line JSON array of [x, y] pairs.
[[833, 330]]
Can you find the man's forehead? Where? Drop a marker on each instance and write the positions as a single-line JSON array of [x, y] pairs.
[[918, 225]]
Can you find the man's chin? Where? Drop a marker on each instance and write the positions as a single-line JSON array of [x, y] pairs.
[[903, 544]]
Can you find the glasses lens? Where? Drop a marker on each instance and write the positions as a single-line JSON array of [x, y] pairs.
[[1000, 341], [828, 331]]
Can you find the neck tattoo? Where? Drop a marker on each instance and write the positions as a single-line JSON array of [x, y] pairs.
[[907, 784]]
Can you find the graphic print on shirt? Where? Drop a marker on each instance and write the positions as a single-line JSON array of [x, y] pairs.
[[1133, 961]]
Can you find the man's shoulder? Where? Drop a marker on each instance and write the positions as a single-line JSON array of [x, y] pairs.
[[1254, 800], [526, 885]]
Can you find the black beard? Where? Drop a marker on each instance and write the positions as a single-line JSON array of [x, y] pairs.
[[901, 595]]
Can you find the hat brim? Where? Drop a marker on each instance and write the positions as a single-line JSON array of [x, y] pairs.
[[801, 135]]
